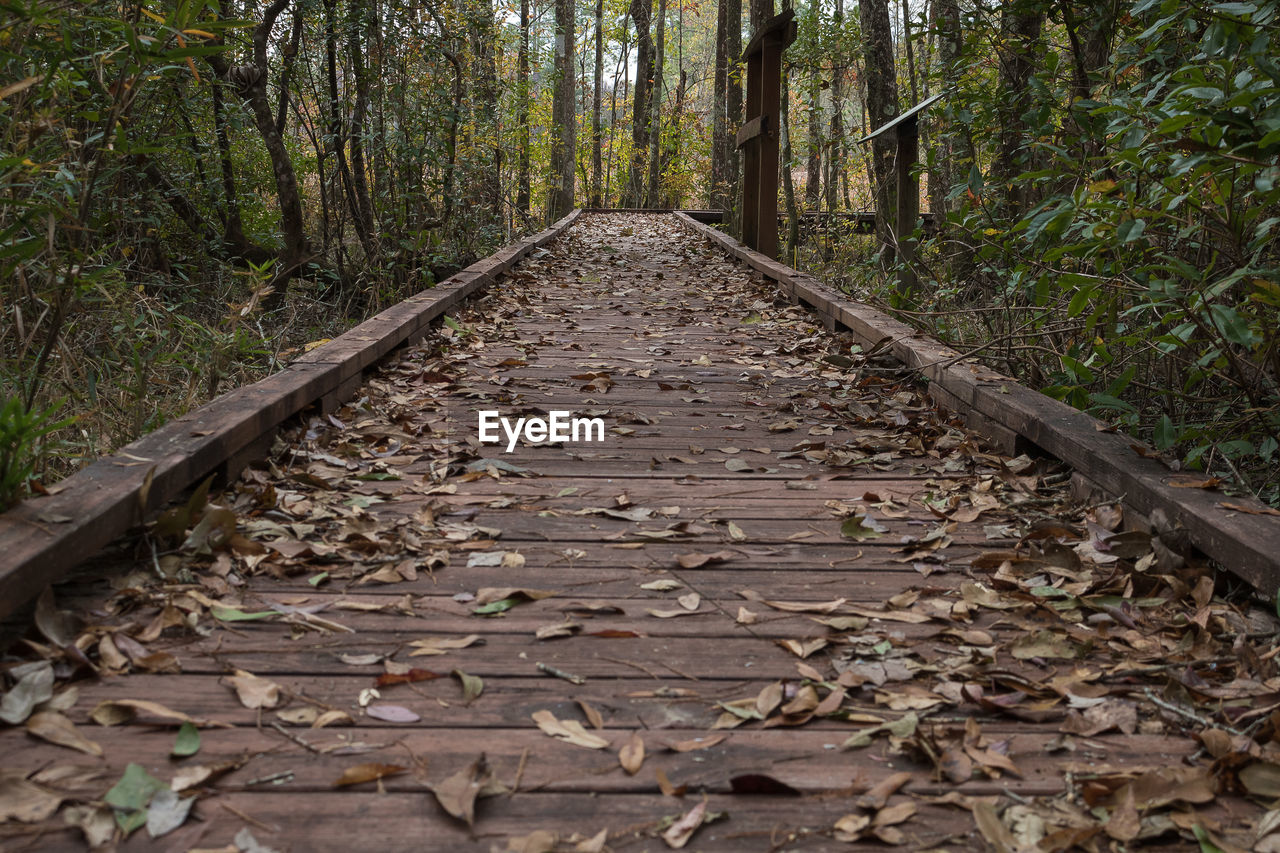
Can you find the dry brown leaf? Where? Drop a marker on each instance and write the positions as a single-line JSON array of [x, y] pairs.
[[876, 796], [1124, 823], [592, 715], [489, 594], [569, 731], [25, 801], [803, 648], [631, 755], [113, 712], [57, 728], [252, 691], [694, 561], [704, 742], [679, 833], [457, 795], [369, 772], [442, 645]]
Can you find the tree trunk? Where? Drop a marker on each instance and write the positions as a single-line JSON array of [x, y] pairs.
[[640, 12], [563, 116], [733, 104], [655, 111], [290, 57], [882, 105], [524, 170], [761, 11], [788, 184], [1019, 32], [251, 84], [359, 170], [597, 136], [484, 49], [719, 124], [945, 168], [813, 166], [835, 156]]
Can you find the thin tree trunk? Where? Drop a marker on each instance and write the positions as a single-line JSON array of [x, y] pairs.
[[251, 82], [835, 158], [290, 57], [359, 170], [1019, 31], [524, 169], [620, 68], [733, 105], [882, 105], [719, 120], [563, 116], [911, 56], [597, 133], [655, 112], [813, 166], [640, 12], [788, 184]]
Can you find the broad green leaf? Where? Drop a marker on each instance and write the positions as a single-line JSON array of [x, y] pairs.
[[188, 742]]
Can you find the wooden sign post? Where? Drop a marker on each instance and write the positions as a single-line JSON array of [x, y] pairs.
[[759, 136], [906, 129]]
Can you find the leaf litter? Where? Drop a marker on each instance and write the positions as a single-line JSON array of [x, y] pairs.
[[1060, 616]]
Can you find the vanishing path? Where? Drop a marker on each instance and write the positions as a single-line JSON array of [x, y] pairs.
[[777, 546]]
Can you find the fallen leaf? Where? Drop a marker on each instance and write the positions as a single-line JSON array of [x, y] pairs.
[[56, 728], [391, 714], [662, 585], [679, 833], [570, 731], [25, 801], [130, 795], [34, 685], [698, 743], [876, 796], [457, 794], [187, 742], [472, 685], [442, 645], [362, 773], [252, 691], [631, 755], [694, 561], [113, 712], [803, 648], [412, 676], [167, 811]]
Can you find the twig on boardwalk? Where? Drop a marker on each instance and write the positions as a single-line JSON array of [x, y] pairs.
[[265, 827], [295, 738], [524, 759], [560, 673], [1190, 715], [634, 665]]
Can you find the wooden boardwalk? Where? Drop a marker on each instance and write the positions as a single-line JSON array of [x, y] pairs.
[[784, 603]]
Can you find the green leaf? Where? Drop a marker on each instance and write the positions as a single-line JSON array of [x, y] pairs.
[[378, 475], [1165, 435], [854, 527], [502, 605], [129, 797], [232, 614], [188, 742], [472, 685], [316, 580]]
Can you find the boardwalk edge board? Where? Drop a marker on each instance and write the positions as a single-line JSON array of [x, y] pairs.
[[43, 538], [1244, 541]]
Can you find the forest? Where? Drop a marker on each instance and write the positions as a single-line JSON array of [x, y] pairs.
[[196, 192]]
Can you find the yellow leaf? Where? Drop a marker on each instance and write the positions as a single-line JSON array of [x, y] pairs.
[[201, 33], [1102, 187], [153, 16]]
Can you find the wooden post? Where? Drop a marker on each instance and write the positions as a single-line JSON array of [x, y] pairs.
[[759, 136], [908, 202]]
